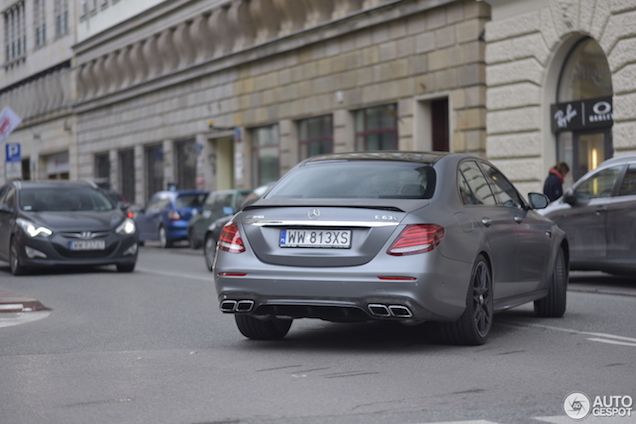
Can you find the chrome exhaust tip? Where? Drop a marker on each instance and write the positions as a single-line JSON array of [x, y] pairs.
[[244, 305], [379, 310], [400, 311], [228, 305]]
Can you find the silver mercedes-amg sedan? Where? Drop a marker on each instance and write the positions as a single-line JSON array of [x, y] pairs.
[[398, 236]]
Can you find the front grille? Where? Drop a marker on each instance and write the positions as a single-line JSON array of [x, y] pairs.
[[64, 251], [85, 235]]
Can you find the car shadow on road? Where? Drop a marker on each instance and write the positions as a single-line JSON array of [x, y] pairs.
[[378, 337]]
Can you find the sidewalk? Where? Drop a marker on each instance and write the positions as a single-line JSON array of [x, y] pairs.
[[10, 302]]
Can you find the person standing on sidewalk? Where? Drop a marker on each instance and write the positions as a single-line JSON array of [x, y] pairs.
[[553, 185]]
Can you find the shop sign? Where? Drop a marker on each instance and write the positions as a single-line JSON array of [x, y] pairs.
[[582, 114]]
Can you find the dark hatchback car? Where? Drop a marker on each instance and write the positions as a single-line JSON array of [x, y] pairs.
[[390, 236], [167, 215], [598, 214], [62, 223]]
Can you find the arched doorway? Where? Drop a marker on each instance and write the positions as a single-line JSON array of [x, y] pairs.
[[582, 116]]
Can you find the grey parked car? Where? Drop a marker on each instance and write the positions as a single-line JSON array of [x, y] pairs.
[[400, 236], [598, 214], [217, 205]]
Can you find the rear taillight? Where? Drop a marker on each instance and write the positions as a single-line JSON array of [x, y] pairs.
[[417, 238], [174, 216], [230, 239]]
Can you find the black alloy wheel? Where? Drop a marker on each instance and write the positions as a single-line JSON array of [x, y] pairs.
[[473, 327]]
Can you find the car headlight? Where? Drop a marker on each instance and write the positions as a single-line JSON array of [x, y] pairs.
[[126, 227], [32, 230]]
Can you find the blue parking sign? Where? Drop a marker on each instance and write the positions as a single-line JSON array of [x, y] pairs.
[[13, 152]]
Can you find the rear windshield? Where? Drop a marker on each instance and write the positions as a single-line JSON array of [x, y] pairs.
[[190, 200], [58, 199], [358, 180]]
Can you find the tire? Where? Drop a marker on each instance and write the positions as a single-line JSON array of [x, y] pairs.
[[163, 238], [473, 327], [14, 259], [194, 243], [209, 250], [253, 328], [554, 304], [127, 267]]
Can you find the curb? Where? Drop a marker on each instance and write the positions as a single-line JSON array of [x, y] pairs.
[[10, 302]]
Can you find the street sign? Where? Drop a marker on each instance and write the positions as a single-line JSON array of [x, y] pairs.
[[13, 165], [9, 120], [13, 152]]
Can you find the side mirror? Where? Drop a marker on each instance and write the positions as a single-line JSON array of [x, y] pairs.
[[538, 200], [569, 197], [5, 208], [123, 205]]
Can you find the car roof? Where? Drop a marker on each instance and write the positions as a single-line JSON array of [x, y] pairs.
[[382, 155], [53, 183], [620, 159]]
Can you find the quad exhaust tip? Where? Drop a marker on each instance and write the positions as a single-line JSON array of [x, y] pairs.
[[387, 311], [229, 305]]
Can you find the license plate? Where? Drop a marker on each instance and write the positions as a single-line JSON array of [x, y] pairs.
[[87, 245], [339, 239]]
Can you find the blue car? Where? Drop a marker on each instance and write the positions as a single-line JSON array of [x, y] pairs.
[[167, 214]]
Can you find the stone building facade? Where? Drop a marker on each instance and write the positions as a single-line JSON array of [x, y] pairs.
[[37, 82], [220, 94], [542, 53], [228, 94]]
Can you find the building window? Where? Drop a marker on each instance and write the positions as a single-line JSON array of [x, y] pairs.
[[265, 155], [102, 168], [127, 174], [154, 169], [185, 164], [61, 17], [15, 32], [432, 131], [39, 22], [315, 136], [376, 128]]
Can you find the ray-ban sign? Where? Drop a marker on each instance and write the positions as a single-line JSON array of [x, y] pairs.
[[582, 114]]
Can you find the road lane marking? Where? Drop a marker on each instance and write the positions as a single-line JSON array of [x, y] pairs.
[[8, 319], [595, 337], [174, 274]]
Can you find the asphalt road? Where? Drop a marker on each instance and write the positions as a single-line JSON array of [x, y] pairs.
[[152, 347]]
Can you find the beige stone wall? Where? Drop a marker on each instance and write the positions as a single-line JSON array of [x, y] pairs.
[[398, 52], [525, 52]]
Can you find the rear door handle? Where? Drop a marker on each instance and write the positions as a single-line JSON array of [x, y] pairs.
[[601, 209], [486, 221], [518, 219]]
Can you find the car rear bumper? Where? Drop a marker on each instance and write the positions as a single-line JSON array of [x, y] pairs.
[[437, 291]]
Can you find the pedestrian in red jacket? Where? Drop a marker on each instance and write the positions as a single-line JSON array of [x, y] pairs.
[[553, 186]]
